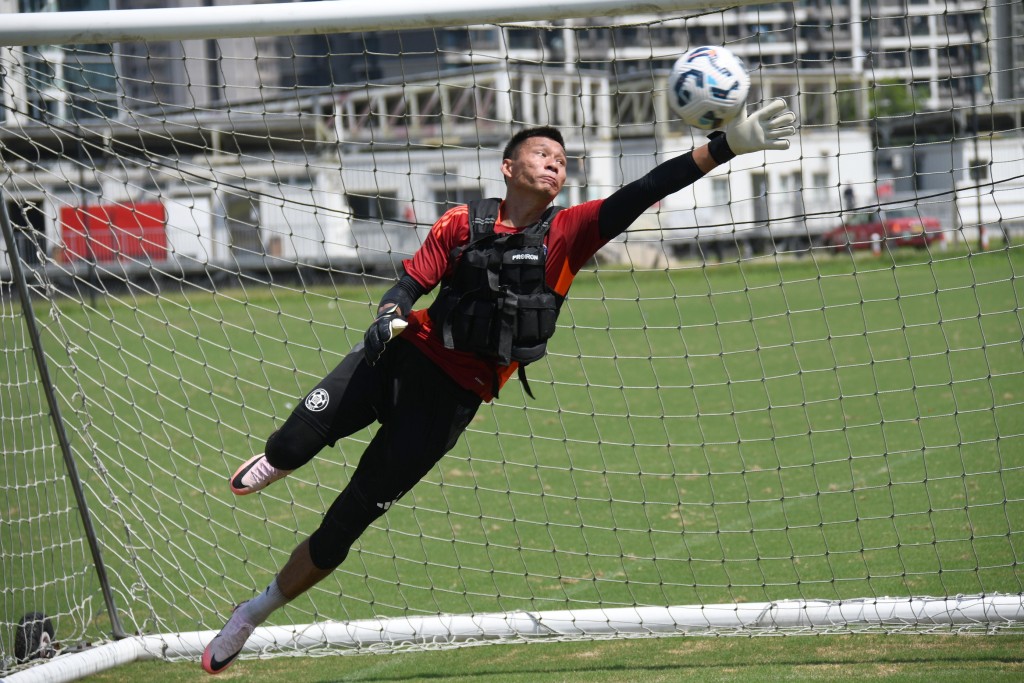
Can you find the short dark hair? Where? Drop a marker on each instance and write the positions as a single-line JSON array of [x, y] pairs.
[[539, 132]]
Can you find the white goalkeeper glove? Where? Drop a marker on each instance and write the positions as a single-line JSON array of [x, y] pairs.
[[388, 325], [767, 128]]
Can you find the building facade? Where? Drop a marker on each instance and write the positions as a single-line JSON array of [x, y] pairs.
[[228, 133]]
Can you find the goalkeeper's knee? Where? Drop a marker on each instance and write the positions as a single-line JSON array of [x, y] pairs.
[[346, 520], [293, 445]]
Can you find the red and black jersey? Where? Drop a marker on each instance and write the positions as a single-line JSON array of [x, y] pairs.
[[572, 240]]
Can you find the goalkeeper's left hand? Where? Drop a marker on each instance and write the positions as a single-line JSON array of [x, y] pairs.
[[388, 325], [767, 128]]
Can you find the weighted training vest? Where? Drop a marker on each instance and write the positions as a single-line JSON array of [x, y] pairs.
[[496, 303]]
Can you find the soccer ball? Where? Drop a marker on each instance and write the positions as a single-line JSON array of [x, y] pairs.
[[708, 87]]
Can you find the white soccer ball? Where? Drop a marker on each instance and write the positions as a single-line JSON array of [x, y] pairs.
[[708, 87]]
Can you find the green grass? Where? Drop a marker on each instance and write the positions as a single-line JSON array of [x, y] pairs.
[[769, 430]]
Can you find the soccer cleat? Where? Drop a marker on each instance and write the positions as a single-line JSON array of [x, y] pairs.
[[227, 644], [255, 475]]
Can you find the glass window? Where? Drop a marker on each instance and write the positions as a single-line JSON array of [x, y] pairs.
[[45, 96], [92, 86], [522, 39], [920, 57], [242, 220], [815, 108], [818, 191], [68, 84], [979, 169], [450, 196], [384, 206], [720, 195]]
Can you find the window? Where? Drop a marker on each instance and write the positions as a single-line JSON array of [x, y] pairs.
[[481, 38], [629, 35], [919, 26], [893, 27], [384, 206], [759, 190], [920, 57], [45, 97], [791, 193], [92, 83], [522, 39], [66, 84], [450, 196], [979, 169], [242, 220], [815, 108], [720, 195]]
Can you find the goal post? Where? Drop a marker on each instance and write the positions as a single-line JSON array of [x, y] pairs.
[[787, 401], [244, 21]]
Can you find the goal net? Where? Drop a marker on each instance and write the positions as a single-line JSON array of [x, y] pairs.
[[789, 400]]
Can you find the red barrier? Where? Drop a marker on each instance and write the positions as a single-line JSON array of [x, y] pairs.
[[114, 232]]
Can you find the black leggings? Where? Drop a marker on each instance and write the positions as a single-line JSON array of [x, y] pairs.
[[421, 412]]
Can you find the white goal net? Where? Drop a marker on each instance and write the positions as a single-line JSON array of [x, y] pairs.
[[789, 400]]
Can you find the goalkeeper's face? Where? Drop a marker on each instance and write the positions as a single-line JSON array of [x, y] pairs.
[[537, 167]]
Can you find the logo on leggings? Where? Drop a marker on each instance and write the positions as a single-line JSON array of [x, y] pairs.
[[386, 505], [317, 400]]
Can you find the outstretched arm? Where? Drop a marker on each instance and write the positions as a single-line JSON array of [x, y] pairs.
[[767, 128]]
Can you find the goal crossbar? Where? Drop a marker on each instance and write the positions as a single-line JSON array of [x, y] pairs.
[[328, 16]]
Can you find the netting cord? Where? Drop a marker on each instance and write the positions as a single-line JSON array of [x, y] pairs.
[[28, 312]]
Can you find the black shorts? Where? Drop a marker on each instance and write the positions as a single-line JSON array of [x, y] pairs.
[[421, 411]]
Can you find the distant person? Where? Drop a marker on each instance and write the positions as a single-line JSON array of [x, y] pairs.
[[848, 199], [505, 267]]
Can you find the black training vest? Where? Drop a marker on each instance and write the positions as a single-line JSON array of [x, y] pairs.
[[496, 303]]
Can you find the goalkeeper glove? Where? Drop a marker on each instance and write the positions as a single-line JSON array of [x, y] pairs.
[[388, 325], [767, 128]]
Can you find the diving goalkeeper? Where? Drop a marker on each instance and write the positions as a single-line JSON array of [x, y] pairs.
[[504, 268]]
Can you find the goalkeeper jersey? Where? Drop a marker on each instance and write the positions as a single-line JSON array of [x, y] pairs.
[[572, 240]]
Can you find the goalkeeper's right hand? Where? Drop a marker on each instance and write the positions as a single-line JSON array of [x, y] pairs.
[[767, 128], [388, 325]]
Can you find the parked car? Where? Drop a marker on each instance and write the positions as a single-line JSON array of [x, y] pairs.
[[893, 227]]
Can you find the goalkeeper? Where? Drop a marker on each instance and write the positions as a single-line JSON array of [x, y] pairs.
[[504, 268]]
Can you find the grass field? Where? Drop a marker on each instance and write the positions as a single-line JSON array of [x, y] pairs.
[[816, 428]]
